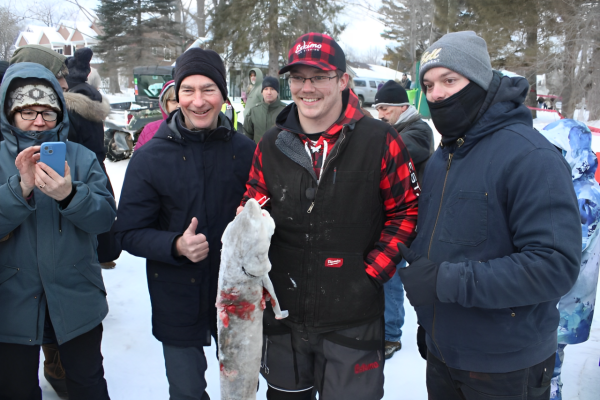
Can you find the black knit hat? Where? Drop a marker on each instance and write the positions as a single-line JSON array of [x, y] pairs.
[[271, 82], [197, 61], [391, 93], [79, 66]]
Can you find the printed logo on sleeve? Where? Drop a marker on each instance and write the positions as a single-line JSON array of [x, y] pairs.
[[334, 262]]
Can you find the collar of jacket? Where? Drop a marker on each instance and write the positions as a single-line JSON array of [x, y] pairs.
[[292, 146], [95, 111], [503, 106], [223, 132], [287, 119], [404, 124], [273, 105]]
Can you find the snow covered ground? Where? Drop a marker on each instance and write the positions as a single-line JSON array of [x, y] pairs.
[[133, 359]]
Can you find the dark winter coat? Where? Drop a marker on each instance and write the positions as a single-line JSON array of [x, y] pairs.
[[165, 186], [49, 260], [87, 111], [418, 138], [500, 215], [261, 118]]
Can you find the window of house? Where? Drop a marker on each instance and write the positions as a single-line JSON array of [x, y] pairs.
[[360, 83], [373, 84], [167, 54], [59, 51]]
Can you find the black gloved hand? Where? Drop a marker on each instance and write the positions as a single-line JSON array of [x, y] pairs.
[[422, 342], [419, 278]]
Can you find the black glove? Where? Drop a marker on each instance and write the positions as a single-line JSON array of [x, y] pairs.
[[422, 342], [419, 278]]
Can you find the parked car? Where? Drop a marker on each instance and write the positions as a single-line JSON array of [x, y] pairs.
[[366, 88]]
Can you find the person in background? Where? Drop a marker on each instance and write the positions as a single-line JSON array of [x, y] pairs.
[[180, 191], [52, 284], [391, 102], [87, 110], [251, 84], [499, 239], [94, 78], [167, 103], [44, 56], [254, 95], [262, 117], [576, 308], [230, 113], [405, 82]]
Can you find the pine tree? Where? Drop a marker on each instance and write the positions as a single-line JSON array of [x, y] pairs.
[[131, 29], [407, 22], [241, 28]]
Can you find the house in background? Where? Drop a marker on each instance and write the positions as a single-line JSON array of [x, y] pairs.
[[65, 39]]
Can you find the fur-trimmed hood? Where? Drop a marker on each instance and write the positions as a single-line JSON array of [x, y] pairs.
[[89, 109]]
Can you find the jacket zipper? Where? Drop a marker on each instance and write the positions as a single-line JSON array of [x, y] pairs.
[[429, 250], [309, 272], [324, 167]]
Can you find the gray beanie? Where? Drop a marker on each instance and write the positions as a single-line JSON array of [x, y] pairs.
[[462, 52]]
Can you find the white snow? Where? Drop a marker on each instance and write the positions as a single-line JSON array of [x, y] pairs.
[[134, 365]]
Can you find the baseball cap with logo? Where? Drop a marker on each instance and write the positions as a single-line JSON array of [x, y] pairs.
[[316, 50]]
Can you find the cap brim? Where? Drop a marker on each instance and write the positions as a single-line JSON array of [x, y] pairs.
[[315, 64]]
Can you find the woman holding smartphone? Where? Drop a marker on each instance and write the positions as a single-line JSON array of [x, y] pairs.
[[49, 272]]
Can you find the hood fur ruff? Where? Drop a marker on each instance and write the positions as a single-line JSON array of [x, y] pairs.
[[89, 109]]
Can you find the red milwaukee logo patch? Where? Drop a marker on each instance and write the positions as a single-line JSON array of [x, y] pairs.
[[334, 262], [359, 369]]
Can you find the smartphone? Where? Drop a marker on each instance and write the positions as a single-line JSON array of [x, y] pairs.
[[53, 155]]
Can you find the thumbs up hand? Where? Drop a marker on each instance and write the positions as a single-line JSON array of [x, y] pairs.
[[191, 245]]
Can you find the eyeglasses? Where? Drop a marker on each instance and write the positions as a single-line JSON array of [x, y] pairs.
[[31, 115], [318, 81]]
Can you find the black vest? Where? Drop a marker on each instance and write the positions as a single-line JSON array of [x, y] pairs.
[[317, 253]]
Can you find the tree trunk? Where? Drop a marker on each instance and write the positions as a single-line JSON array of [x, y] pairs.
[[413, 38], [113, 81], [439, 24], [201, 18], [274, 41], [593, 94]]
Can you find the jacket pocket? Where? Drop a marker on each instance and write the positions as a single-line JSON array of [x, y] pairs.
[[345, 293], [81, 294], [465, 219], [287, 277], [179, 296], [92, 272]]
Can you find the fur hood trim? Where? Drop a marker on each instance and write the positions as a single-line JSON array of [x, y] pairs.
[[89, 109]]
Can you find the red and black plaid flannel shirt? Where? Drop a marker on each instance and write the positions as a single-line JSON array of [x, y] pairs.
[[398, 193]]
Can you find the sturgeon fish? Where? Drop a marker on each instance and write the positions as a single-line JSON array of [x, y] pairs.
[[244, 288]]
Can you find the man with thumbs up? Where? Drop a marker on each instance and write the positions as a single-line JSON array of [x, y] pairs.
[[180, 191]]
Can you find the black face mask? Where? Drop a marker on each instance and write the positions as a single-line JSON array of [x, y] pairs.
[[453, 116]]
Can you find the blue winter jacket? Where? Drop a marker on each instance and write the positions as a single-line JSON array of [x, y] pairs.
[[500, 216], [169, 181], [50, 260]]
